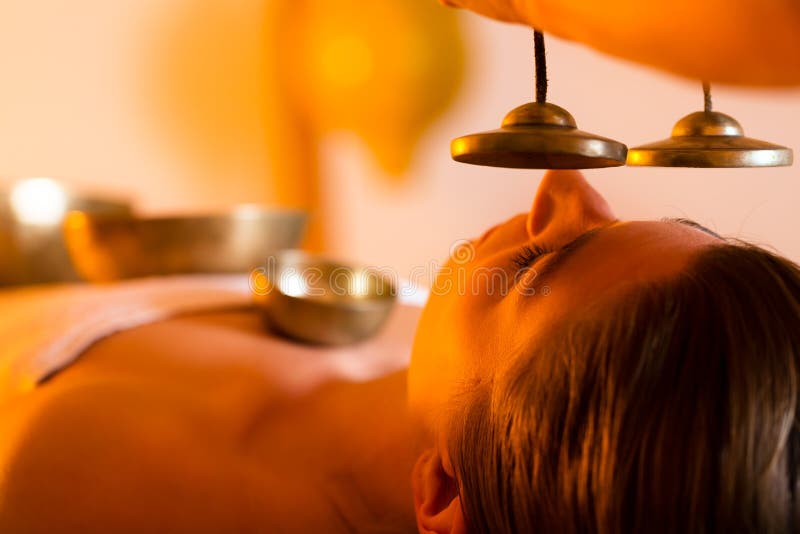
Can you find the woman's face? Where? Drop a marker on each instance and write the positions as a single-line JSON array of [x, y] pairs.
[[498, 295]]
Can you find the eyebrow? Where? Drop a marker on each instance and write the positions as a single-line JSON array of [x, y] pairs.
[[693, 224], [561, 255]]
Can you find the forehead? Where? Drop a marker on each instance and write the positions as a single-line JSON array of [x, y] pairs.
[[631, 252]]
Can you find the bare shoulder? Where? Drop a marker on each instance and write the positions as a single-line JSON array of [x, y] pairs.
[[99, 453]]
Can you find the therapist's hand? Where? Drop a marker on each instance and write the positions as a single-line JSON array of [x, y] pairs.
[[751, 42], [505, 10]]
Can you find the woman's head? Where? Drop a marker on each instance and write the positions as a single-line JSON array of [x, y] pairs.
[[653, 388], [499, 295]]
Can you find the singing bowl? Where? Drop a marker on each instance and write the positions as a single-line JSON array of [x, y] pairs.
[[107, 248], [35, 253], [319, 301]]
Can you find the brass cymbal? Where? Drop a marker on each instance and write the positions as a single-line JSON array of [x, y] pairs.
[[538, 135], [709, 139]]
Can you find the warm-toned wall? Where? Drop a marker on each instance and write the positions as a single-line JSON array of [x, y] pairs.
[[159, 99], [606, 96], [114, 95]]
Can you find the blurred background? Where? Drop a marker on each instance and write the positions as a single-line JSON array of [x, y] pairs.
[[346, 108]]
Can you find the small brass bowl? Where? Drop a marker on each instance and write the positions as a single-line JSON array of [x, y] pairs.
[[319, 301], [114, 247]]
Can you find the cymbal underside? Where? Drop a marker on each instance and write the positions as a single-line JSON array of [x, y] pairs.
[[538, 136], [531, 149], [709, 139]]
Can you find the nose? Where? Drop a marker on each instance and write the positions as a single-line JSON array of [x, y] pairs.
[[565, 207]]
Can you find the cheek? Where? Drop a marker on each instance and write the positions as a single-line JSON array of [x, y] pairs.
[[430, 358], [446, 338], [462, 334]]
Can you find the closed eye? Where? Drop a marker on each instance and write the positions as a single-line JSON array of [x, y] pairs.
[[529, 254]]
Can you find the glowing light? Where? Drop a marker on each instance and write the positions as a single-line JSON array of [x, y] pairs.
[[248, 212], [359, 284], [293, 284], [39, 201]]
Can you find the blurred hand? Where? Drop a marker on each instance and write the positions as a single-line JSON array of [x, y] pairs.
[[751, 42], [505, 10]]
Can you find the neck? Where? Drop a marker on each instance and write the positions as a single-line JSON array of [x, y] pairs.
[[357, 444], [371, 467]]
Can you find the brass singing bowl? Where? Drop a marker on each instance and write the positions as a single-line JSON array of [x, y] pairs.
[[107, 247], [319, 301], [35, 253]]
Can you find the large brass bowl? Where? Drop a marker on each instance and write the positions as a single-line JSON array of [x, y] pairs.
[[106, 248], [33, 252], [320, 301]]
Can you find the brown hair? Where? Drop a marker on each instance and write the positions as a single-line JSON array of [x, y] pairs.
[[671, 408]]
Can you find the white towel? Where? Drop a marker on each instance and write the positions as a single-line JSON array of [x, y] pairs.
[[43, 329]]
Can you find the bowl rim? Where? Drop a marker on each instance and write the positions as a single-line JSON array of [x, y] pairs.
[[310, 259], [253, 213]]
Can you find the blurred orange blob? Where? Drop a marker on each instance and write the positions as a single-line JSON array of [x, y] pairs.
[[245, 91], [384, 69]]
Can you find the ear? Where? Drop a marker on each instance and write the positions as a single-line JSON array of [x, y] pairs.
[[436, 500]]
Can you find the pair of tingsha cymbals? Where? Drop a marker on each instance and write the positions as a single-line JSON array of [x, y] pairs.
[[541, 135]]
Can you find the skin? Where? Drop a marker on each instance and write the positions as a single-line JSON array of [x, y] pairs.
[[180, 426], [747, 42]]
